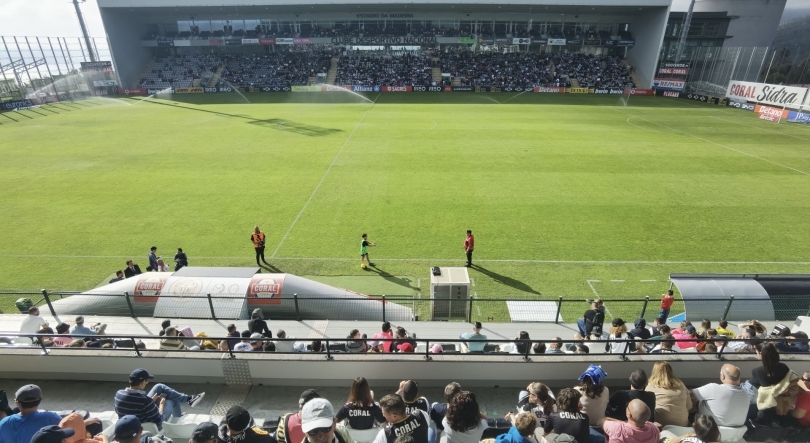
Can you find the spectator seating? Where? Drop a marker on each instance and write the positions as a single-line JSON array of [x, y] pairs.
[[384, 68], [282, 68], [180, 71]]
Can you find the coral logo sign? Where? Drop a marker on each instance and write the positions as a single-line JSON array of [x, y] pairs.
[[777, 95], [265, 290], [148, 287]]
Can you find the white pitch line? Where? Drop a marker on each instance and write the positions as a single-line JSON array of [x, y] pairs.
[[575, 262], [762, 129], [618, 281], [590, 283], [314, 191], [510, 98], [647, 281], [641, 127], [709, 141]]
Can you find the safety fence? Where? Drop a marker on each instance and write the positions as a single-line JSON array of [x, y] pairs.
[[398, 308]]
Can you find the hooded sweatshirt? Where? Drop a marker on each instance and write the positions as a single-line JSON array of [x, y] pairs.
[[75, 422], [513, 436], [640, 330]]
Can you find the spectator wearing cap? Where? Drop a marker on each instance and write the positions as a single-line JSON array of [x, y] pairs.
[[134, 400], [50, 434], [206, 432], [617, 338], [238, 428], [617, 405], [80, 330], [256, 344], [318, 423], [594, 395], [128, 429], [170, 342], [475, 340], [21, 427], [289, 425]]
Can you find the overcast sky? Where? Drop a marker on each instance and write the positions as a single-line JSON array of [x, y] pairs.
[[56, 18]]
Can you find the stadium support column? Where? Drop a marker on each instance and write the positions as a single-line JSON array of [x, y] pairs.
[[687, 21], [87, 40]]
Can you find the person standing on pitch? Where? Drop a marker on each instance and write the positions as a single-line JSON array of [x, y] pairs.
[[469, 245], [181, 259], [153, 257], [257, 237], [364, 245]]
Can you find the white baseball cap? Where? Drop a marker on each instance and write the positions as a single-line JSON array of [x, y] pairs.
[[317, 413]]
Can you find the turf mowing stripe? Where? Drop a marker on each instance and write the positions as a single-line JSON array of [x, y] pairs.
[[318, 186], [708, 141], [493, 260], [763, 129]]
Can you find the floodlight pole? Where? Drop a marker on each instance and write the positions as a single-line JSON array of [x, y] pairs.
[[687, 21], [86, 35]]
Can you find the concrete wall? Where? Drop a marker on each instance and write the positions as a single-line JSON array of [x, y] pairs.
[[124, 32], [648, 31], [314, 369], [756, 23]]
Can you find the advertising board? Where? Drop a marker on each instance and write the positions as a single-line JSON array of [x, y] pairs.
[[285, 41], [771, 111], [104, 66], [365, 88], [521, 41], [104, 83], [397, 88], [798, 117], [267, 41], [609, 91], [555, 42], [462, 88], [550, 90], [250, 41], [776, 95], [306, 89], [16, 104], [639, 91], [669, 83], [427, 89], [132, 91], [189, 90], [577, 90], [673, 71]]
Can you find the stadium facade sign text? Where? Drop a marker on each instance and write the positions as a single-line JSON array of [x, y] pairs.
[[669, 83], [385, 15], [381, 40], [673, 71], [521, 41], [777, 95], [250, 41], [104, 66], [556, 42]]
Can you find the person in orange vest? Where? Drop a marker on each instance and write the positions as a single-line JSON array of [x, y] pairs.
[[257, 237], [469, 245]]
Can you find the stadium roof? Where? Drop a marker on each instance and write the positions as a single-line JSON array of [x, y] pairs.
[[162, 8]]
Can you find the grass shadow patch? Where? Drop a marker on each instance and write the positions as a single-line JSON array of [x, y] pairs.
[[281, 124]]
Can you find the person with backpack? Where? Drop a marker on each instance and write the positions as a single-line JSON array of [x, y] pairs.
[[289, 425], [591, 321]]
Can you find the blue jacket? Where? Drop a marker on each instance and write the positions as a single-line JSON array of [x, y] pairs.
[[513, 436]]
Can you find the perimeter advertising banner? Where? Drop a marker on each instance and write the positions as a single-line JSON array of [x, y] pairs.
[[397, 89], [673, 71], [521, 41], [550, 90], [609, 91], [771, 113], [577, 90], [364, 88], [15, 104], [776, 95], [285, 41], [132, 91], [639, 91], [740, 105], [669, 83], [306, 89], [250, 41], [267, 41], [427, 89], [798, 117], [189, 90]]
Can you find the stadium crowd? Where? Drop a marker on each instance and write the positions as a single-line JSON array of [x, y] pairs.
[[652, 407], [392, 68]]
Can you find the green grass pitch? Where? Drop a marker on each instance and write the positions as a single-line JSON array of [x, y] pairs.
[[559, 190]]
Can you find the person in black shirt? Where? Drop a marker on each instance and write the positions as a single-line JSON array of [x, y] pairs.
[[617, 405], [400, 423], [238, 429], [591, 321], [640, 330], [568, 419], [180, 259], [770, 373], [402, 338], [256, 324], [409, 391], [360, 409], [439, 410]]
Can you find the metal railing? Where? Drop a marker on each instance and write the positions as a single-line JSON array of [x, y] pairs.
[[388, 308], [332, 347]]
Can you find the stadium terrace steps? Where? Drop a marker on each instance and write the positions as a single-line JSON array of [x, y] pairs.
[[146, 70], [574, 82], [632, 74], [332, 74], [436, 72], [215, 77]]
